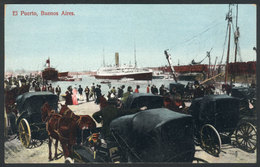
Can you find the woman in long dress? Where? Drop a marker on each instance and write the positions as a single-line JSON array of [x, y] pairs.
[[74, 96]]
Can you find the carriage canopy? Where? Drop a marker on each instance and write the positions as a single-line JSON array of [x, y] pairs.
[[138, 100], [33, 101], [243, 92], [157, 135]]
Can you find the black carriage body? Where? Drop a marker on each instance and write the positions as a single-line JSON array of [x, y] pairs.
[[29, 107], [138, 100], [246, 95], [243, 92], [156, 135], [221, 111], [178, 87]]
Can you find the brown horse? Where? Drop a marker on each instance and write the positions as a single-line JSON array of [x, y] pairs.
[[83, 121], [52, 120], [64, 126]]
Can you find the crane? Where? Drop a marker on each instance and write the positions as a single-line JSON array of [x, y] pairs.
[[169, 59]]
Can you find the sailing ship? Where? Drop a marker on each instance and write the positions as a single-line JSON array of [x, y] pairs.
[[118, 72], [208, 71]]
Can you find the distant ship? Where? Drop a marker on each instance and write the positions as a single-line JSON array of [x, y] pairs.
[[127, 71], [50, 73]]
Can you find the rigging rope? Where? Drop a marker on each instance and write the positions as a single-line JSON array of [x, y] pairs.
[[197, 35], [224, 45]]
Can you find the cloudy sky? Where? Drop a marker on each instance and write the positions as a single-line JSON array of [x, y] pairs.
[[79, 42]]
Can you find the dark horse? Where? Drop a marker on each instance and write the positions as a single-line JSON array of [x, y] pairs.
[[63, 127]]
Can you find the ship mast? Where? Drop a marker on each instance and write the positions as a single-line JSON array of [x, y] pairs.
[[135, 56], [236, 34], [208, 55], [104, 64], [229, 18]]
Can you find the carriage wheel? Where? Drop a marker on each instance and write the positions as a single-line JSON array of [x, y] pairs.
[[246, 136], [24, 132], [210, 140]]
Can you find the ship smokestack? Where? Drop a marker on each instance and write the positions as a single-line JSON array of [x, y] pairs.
[[117, 59]]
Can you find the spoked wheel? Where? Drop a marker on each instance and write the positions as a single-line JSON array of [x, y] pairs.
[[24, 132], [210, 140], [246, 136]]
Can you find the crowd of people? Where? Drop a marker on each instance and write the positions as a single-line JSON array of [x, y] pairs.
[[93, 92]]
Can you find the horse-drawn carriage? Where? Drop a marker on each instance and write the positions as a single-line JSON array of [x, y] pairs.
[[29, 122], [216, 119], [149, 134], [153, 135]]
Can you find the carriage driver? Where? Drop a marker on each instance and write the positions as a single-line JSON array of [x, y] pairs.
[[108, 111]]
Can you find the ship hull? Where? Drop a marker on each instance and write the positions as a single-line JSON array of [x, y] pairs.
[[50, 74], [139, 76]]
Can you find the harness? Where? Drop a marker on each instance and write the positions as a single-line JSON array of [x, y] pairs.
[[66, 111]]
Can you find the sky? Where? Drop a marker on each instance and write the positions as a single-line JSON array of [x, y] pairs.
[[95, 32]]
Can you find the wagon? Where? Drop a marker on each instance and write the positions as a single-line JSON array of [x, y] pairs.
[[29, 124], [153, 135], [216, 120]]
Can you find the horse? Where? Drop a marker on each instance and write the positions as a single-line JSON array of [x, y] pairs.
[[64, 127], [52, 120], [83, 121]]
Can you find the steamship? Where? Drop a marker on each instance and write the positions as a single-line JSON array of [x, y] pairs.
[[118, 72]]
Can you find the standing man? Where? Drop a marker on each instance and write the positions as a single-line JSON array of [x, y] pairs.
[[92, 92], [162, 90], [50, 88], [87, 93], [121, 91], [98, 94], [125, 95], [58, 91], [80, 90]]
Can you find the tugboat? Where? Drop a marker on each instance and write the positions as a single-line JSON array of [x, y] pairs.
[[50, 73]]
